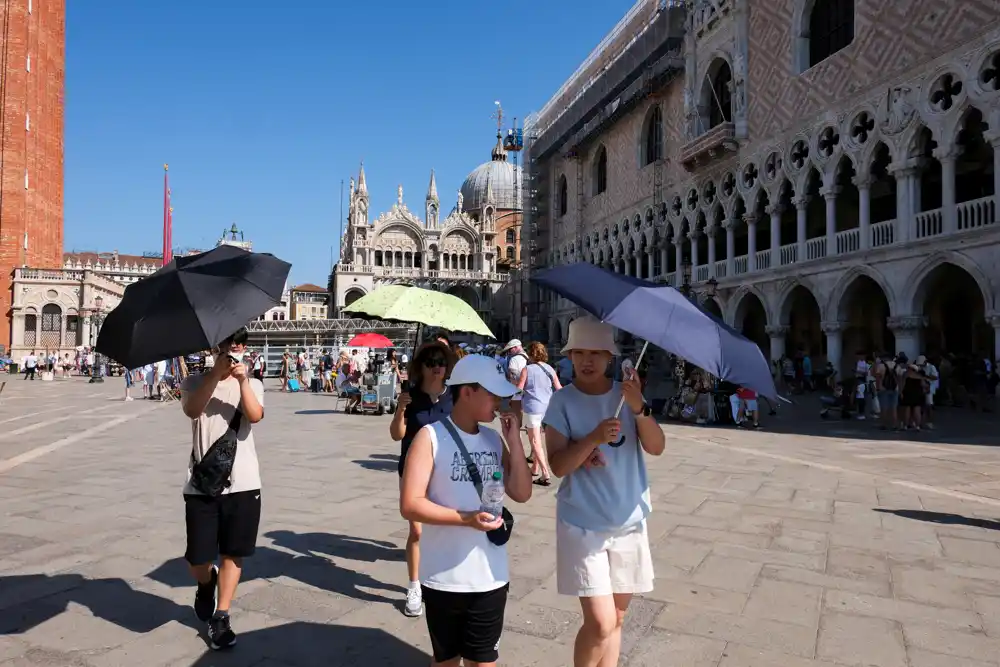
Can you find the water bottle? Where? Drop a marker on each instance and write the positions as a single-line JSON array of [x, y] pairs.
[[493, 495]]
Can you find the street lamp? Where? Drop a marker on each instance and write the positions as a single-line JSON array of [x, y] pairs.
[[96, 320], [685, 287], [712, 288]]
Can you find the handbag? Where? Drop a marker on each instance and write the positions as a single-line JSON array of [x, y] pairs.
[[498, 536], [211, 475]]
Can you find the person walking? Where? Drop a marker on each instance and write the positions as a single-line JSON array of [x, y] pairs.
[[30, 365], [222, 401], [517, 360], [537, 383], [464, 569], [602, 544], [424, 401]]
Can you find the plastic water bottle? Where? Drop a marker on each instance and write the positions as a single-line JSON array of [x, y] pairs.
[[493, 495]]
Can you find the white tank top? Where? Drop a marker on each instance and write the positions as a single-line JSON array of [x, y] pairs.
[[455, 558]]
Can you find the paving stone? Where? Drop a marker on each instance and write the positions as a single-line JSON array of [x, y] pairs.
[[856, 640], [930, 586], [296, 603], [543, 622], [782, 637], [989, 611], [167, 645], [940, 640], [772, 557], [660, 648], [801, 576], [721, 536], [738, 655], [902, 611], [971, 551], [695, 595], [793, 603], [733, 574], [921, 658]]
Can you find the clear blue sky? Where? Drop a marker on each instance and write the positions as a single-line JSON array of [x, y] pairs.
[[261, 111]]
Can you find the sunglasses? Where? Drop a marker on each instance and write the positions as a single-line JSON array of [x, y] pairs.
[[435, 363]]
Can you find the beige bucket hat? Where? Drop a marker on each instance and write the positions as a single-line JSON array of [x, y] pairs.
[[589, 333]]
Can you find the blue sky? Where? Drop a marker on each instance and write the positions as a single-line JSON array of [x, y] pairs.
[[261, 111]]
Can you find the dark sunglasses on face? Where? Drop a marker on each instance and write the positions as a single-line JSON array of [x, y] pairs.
[[435, 363]]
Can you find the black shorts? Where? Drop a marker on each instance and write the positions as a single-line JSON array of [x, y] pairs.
[[225, 525], [466, 625]]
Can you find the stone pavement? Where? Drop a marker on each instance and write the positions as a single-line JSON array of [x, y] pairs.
[[840, 547]]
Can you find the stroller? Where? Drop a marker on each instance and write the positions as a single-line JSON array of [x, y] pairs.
[[841, 401]]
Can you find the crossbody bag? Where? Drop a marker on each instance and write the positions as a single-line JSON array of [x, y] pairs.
[[498, 536], [212, 474]]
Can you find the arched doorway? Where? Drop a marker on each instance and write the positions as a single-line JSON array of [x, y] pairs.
[[352, 295], [801, 314], [466, 294], [952, 301], [751, 321], [51, 326], [864, 310]]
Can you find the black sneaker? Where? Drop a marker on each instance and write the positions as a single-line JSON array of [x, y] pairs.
[[220, 633], [204, 599]]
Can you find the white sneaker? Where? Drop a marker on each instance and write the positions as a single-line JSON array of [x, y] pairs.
[[128, 398], [414, 603]]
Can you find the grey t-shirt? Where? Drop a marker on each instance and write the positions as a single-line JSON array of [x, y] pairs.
[[604, 499]]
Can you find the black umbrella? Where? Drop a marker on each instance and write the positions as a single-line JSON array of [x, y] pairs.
[[191, 304]]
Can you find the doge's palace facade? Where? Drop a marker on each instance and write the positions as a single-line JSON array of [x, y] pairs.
[[827, 168]]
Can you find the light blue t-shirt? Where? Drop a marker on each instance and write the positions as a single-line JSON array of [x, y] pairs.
[[538, 388], [605, 499]]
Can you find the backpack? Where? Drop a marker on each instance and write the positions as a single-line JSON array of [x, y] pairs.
[[889, 380]]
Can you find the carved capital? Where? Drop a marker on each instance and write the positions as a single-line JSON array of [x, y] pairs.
[[711, 231], [993, 319], [833, 327], [729, 224], [776, 330], [750, 219], [907, 323], [774, 209], [801, 203], [863, 181], [830, 192]]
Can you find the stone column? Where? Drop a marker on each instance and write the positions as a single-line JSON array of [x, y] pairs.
[[650, 265], [908, 332], [947, 156], [710, 233], [834, 342], [664, 259], [905, 174], [751, 220], [777, 333], [801, 209], [864, 185], [678, 260], [994, 321], [994, 138], [694, 235], [830, 196], [730, 247], [774, 211]]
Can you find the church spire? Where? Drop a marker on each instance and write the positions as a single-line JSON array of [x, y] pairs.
[[362, 183], [432, 189], [499, 153]]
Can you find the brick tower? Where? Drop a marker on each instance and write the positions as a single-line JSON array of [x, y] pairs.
[[32, 77]]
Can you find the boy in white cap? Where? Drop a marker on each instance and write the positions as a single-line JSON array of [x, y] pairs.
[[463, 571], [602, 545]]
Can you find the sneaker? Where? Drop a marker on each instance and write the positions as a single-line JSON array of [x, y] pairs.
[[204, 599], [414, 603], [220, 632], [128, 398]]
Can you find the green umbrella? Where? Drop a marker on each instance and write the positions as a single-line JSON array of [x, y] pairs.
[[400, 303]]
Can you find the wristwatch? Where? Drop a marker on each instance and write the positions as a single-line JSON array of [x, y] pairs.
[[646, 411]]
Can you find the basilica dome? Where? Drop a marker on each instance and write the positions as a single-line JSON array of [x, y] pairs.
[[498, 174]]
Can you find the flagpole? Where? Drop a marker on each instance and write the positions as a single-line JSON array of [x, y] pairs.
[[166, 214], [340, 239]]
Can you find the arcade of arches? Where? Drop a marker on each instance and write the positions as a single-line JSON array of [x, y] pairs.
[[943, 310]]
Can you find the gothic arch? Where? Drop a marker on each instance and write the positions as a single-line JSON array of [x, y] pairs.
[[953, 126], [353, 293], [915, 289], [652, 120], [784, 300], [801, 18], [735, 303], [715, 104], [831, 310], [413, 231]]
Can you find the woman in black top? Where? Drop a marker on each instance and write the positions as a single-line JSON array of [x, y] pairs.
[[425, 401]]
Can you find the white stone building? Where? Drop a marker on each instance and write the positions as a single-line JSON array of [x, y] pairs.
[[832, 165], [467, 253]]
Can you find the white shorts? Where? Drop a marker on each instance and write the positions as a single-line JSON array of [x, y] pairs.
[[593, 564], [532, 421]]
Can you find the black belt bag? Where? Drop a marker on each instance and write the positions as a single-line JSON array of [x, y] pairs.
[[211, 475], [498, 536]]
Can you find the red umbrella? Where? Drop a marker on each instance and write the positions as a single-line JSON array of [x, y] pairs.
[[374, 340]]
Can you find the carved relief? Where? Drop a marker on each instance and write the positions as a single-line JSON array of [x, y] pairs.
[[898, 112]]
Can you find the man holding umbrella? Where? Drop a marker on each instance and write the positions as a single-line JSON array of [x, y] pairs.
[[222, 402], [602, 545]]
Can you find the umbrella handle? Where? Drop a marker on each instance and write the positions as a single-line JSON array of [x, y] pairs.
[[621, 403]]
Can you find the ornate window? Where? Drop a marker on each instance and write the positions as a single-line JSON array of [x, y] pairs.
[[720, 102], [72, 329], [51, 325], [510, 252], [601, 171], [830, 28], [653, 137], [563, 196], [511, 236], [30, 330]]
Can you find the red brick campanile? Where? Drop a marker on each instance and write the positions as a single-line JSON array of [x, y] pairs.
[[32, 79]]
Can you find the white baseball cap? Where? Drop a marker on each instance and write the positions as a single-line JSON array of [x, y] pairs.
[[484, 371], [512, 344]]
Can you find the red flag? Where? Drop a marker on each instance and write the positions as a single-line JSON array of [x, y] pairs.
[[168, 222]]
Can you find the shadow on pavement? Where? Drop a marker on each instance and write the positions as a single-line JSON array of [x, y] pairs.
[[318, 412], [309, 564], [302, 644], [379, 463], [30, 600], [946, 519]]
